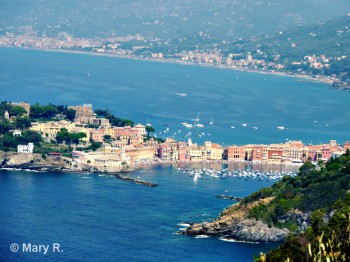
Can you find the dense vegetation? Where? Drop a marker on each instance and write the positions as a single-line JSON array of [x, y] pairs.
[[322, 189], [113, 120], [49, 111]]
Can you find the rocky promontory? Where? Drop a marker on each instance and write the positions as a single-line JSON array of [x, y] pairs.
[[234, 223], [34, 162]]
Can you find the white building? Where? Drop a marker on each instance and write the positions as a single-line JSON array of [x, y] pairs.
[[27, 149]]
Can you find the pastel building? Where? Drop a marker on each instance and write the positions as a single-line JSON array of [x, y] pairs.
[[213, 151], [235, 153], [49, 130]]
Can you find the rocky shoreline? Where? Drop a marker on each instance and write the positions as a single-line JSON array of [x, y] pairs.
[[234, 224], [35, 163]]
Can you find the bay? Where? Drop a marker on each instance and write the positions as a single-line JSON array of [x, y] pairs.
[[96, 218], [148, 91]]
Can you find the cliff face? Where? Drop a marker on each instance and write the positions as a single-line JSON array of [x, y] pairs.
[[234, 223]]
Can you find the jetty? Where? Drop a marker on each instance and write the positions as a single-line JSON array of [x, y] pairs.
[[136, 181]]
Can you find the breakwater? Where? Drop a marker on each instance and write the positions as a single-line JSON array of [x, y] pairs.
[[135, 181]]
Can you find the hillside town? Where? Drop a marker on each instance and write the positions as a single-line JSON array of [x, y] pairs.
[[137, 46], [120, 147]]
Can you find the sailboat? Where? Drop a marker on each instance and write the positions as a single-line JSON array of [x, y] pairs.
[[196, 122], [211, 121]]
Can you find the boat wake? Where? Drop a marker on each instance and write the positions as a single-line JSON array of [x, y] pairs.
[[201, 236], [226, 239]]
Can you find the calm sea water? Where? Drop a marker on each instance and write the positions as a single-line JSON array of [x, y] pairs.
[[98, 217], [145, 90]]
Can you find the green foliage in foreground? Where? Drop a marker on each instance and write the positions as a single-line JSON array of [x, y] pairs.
[[314, 188], [321, 242], [322, 190]]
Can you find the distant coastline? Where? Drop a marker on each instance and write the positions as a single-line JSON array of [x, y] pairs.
[[319, 79]]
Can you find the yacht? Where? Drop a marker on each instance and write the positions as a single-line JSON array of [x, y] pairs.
[[196, 122], [188, 125], [281, 127]]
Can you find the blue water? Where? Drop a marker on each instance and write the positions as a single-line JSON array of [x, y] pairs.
[[102, 218], [145, 90], [96, 218]]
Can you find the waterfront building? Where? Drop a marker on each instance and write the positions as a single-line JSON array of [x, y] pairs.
[[26, 149], [196, 153], [248, 150], [168, 150], [235, 153], [275, 154], [181, 149], [213, 151], [108, 163], [137, 153], [258, 153]]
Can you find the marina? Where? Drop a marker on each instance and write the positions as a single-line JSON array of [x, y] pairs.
[[198, 173]]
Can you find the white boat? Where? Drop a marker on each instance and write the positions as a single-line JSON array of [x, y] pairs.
[[233, 127], [255, 127], [188, 125], [281, 127], [181, 94], [196, 122], [196, 176], [244, 124], [211, 121]]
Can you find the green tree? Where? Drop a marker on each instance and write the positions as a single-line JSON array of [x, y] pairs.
[[75, 137], [5, 126], [17, 111], [22, 122], [70, 114], [150, 129]]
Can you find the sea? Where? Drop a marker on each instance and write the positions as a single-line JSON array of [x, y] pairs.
[[93, 217]]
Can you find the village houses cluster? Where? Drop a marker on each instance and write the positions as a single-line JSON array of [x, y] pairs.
[[127, 145]]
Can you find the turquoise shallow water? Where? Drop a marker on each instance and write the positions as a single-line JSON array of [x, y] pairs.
[[96, 218], [145, 90]]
